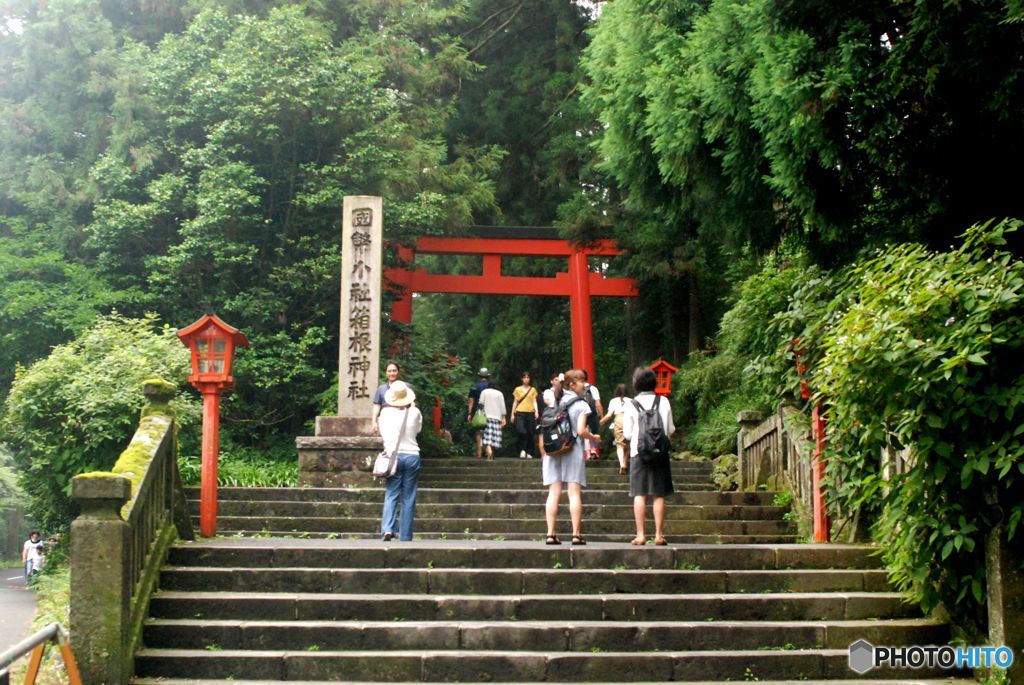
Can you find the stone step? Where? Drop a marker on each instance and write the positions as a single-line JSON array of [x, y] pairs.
[[291, 553], [541, 636], [608, 461], [623, 510], [456, 665], [617, 484], [193, 681], [324, 606], [518, 581], [430, 495], [470, 526], [623, 537], [607, 474]]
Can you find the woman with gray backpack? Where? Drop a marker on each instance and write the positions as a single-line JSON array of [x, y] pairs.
[[647, 425]]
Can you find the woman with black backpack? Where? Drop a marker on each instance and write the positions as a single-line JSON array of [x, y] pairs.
[[647, 425]]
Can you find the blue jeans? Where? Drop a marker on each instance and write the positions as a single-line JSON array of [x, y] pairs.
[[401, 487]]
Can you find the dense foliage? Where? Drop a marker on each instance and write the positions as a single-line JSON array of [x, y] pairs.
[[743, 371], [924, 351], [76, 410]]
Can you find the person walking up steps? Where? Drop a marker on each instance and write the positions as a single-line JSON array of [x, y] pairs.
[[568, 469], [650, 468], [493, 402], [524, 417], [616, 410], [474, 401]]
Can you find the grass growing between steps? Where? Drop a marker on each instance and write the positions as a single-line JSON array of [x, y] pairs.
[[53, 597]]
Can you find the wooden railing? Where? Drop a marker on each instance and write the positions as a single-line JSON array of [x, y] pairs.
[[130, 516], [776, 452]]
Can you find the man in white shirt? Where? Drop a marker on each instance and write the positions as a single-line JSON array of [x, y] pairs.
[[552, 394]]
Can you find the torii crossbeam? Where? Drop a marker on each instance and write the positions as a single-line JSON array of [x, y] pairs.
[[578, 283]]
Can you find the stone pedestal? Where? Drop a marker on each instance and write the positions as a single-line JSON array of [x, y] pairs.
[[1004, 568], [337, 460], [100, 585]]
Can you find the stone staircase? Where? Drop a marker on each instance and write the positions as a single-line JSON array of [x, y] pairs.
[[300, 588]]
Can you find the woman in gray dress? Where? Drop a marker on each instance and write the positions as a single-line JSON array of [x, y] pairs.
[[647, 479], [568, 469]]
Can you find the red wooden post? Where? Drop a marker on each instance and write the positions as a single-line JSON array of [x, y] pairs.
[[437, 415], [820, 513], [579, 314], [401, 308], [211, 451]]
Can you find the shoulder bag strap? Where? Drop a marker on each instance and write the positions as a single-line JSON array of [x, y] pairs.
[[523, 398]]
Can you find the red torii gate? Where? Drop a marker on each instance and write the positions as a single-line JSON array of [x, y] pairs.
[[578, 283]]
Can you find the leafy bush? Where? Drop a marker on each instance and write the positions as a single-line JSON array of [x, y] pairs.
[[716, 433], [923, 350], [75, 411]]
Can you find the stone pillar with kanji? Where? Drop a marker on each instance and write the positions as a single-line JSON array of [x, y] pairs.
[[340, 452]]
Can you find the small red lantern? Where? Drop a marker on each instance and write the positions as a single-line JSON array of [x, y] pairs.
[[212, 343], [663, 370]]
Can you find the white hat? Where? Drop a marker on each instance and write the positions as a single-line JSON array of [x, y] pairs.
[[399, 395]]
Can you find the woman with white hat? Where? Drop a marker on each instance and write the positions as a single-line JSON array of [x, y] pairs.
[[400, 422]]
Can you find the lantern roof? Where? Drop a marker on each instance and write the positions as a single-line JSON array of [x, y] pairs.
[[662, 365], [230, 331]]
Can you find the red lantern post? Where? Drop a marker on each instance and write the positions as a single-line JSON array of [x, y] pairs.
[[663, 373], [212, 343]]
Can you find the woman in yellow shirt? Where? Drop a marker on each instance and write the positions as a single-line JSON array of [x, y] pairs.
[[524, 417]]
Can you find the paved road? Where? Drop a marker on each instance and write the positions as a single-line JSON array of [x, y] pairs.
[[17, 606]]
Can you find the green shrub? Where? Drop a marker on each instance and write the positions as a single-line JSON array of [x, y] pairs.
[[747, 372], [923, 349], [715, 433], [76, 410]]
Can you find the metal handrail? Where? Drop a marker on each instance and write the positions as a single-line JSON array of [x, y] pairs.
[[36, 644]]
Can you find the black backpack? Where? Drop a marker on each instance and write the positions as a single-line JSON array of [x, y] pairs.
[[652, 443], [556, 429], [593, 419]]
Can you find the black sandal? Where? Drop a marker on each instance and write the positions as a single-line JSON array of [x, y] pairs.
[[579, 540], [552, 540]]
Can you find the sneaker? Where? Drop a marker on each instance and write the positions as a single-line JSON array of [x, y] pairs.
[[522, 454], [387, 537]]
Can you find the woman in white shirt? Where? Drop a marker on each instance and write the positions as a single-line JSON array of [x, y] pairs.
[[400, 422], [647, 479], [616, 410]]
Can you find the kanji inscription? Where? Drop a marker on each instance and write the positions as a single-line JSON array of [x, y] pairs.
[[359, 339]]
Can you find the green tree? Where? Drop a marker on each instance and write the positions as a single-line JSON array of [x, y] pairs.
[[76, 410], [746, 120], [228, 163]]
